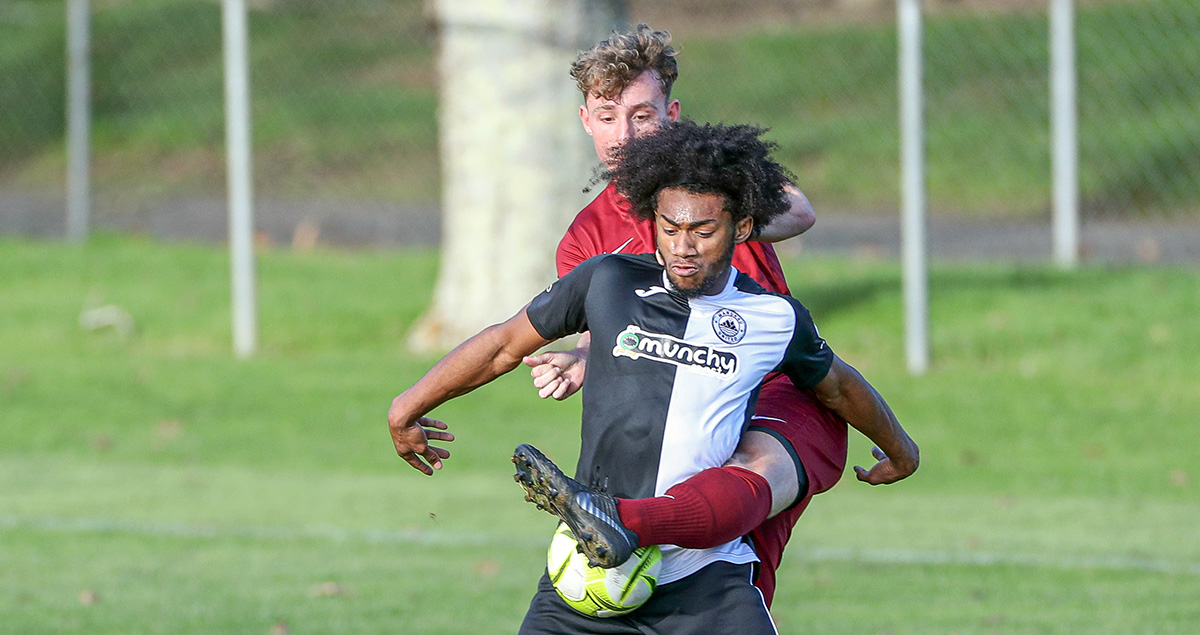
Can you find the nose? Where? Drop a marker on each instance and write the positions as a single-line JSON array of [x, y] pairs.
[[624, 131], [682, 245]]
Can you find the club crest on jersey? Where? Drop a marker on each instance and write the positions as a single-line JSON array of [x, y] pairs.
[[635, 343], [729, 326]]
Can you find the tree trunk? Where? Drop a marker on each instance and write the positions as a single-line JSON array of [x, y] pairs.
[[514, 157]]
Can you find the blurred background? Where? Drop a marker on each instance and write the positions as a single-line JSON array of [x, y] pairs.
[[153, 481], [344, 96]]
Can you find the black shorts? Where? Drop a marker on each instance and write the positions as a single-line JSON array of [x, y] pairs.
[[716, 599]]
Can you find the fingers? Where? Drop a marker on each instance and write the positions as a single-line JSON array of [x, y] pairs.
[[431, 455], [412, 442], [541, 370], [536, 360], [417, 463], [562, 391], [882, 473], [552, 388], [878, 454], [550, 374], [437, 435], [434, 429], [433, 459], [426, 422], [545, 378], [547, 359]]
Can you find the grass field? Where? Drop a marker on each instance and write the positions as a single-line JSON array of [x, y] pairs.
[[154, 484], [345, 103]]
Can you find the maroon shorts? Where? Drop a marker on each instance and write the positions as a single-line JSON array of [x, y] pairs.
[[816, 439]]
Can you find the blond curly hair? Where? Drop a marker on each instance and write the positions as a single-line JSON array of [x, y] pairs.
[[607, 68]]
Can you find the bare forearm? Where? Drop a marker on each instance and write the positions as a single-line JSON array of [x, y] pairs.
[[856, 401], [494, 351], [799, 218], [472, 364]]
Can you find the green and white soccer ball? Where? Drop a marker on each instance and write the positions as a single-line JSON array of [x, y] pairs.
[[601, 592]]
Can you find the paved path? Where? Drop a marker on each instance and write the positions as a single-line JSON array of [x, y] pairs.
[[359, 223]]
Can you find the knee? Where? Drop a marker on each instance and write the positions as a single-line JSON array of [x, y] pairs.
[[766, 456]]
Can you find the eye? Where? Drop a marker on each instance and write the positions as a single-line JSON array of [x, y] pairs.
[[704, 234]]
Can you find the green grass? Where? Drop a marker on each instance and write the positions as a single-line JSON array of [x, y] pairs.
[[344, 103], [156, 484]]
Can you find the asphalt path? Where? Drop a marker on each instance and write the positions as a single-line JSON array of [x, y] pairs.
[[350, 223]]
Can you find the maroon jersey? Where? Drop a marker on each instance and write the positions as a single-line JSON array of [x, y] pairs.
[[607, 226]]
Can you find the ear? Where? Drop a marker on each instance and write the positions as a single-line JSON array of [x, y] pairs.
[[583, 118], [673, 109], [741, 230]]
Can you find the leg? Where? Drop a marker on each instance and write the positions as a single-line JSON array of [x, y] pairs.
[[794, 445], [591, 515], [706, 510], [795, 448]]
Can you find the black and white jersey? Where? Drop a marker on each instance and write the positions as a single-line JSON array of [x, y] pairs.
[[671, 383]]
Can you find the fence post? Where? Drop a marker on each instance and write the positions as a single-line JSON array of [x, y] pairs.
[[79, 119], [1064, 133], [241, 212], [912, 177]]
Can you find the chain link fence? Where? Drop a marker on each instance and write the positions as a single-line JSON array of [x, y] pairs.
[[343, 112], [344, 109], [822, 75]]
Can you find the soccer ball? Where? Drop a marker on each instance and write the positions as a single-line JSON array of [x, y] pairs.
[[601, 592]]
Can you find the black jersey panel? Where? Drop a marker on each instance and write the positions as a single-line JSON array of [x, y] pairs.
[[559, 311], [808, 357], [625, 401]]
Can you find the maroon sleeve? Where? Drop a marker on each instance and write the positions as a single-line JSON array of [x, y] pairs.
[[574, 248]]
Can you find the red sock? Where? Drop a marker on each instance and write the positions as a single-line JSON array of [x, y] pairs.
[[707, 510]]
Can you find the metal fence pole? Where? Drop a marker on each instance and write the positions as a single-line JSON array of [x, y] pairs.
[[1064, 133], [912, 176], [79, 119], [241, 212]]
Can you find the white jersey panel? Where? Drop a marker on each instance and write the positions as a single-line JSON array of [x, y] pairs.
[[708, 411]]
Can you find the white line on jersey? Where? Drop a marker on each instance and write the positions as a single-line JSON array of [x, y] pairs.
[[623, 245]]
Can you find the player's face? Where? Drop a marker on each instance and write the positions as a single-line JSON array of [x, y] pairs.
[[640, 108], [695, 238]]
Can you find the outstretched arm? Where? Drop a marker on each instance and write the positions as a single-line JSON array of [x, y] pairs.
[[845, 392], [493, 352], [799, 218]]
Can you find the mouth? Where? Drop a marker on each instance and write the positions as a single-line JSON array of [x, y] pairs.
[[684, 269]]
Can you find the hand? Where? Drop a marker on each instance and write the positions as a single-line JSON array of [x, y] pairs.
[[881, 473], [557, 374], [411, 438]]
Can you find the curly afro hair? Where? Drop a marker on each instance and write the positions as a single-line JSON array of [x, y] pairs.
[[705, 159]]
